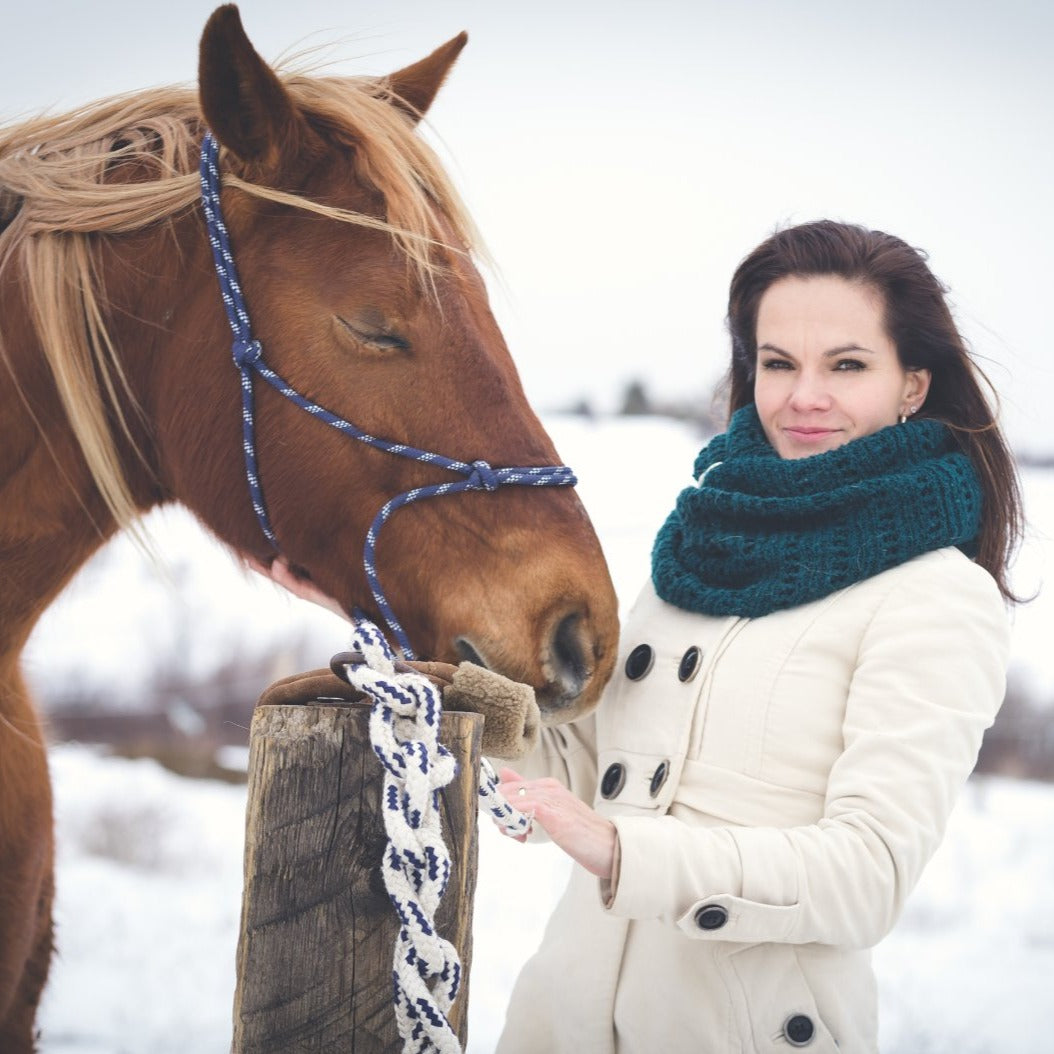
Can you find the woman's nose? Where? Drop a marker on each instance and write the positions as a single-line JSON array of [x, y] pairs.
[[810, 392]]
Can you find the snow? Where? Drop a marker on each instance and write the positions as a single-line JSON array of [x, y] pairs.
[[149, 878], [1030, 649], [149, 864], [149, 891]]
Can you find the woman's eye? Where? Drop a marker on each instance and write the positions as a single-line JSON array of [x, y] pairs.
[[775, 364], [850, 364]]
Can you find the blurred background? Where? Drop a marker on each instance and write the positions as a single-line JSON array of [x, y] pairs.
[[620, 160]]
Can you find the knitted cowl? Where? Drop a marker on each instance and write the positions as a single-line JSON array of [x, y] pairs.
[[760, 533]]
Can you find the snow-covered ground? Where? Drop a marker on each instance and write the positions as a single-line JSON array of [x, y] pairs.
[[149, 897], [149, 872]]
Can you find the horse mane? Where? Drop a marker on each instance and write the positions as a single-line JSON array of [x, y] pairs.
[[130, 161]]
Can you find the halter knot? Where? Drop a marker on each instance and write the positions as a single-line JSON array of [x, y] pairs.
[[483, 477], [246, 352]]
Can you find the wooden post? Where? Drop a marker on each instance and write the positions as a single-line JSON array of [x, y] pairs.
[[318, 930]]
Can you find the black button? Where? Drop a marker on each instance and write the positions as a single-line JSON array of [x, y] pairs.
[[613, 780], [639, 662], [711, 917], [658, 777], [689, 664], [799, 1030]]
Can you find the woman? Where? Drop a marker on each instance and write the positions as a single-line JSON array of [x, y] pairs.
[[803, 684]]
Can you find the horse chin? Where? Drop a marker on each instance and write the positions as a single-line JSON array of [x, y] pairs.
[[556, 709]]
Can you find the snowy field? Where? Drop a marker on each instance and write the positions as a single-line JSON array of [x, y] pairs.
[[149, 873]]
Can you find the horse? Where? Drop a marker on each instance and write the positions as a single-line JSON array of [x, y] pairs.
[[356, 261]]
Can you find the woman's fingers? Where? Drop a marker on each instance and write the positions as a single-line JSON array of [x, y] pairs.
[[579, 830], [509, 784], [254, 565], [282, 574]]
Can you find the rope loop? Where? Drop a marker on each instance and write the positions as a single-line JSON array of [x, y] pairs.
[[510, 820], [483, 477]]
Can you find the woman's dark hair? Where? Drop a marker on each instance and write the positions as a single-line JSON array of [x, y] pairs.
[[920, 324]]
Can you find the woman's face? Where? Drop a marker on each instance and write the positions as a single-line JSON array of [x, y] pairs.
[[827, 372]]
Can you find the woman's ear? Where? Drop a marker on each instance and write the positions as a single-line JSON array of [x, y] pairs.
[[917, 388]]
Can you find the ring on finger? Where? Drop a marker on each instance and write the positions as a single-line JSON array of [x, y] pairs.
[[522, 792]]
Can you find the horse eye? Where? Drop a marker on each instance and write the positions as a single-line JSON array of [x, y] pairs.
[[384, 340], [376, 338]]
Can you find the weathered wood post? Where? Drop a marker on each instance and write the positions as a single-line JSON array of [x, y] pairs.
[[318, 930]]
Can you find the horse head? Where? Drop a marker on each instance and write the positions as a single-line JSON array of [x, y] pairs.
[[354, 257]]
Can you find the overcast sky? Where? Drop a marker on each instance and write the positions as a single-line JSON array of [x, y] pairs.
[[621, 158]]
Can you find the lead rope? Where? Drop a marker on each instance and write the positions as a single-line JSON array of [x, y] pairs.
[[404, 731]]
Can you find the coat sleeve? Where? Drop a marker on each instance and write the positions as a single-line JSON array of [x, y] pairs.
[[929, 679]]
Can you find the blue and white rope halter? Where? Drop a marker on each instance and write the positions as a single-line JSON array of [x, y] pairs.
[[404, 721], [248, 357]]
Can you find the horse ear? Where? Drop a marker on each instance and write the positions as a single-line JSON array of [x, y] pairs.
[[415, 87], [244, 103]]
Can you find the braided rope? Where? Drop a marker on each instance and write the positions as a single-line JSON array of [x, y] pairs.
[[248, 358], [404, 730]]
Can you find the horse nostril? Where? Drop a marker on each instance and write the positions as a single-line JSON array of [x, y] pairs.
[[569, 660], [467, 651]]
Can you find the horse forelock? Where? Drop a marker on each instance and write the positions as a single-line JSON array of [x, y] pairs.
[[63, 173], [123, 164]]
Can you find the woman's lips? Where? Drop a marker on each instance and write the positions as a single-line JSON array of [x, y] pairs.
[[810, 435]]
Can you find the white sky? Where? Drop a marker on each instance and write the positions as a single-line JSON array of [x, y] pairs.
[[621, 158]]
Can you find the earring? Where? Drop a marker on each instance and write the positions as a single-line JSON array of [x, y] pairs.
[[904, 417]]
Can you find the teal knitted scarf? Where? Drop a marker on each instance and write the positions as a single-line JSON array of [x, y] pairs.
[[760, 533]]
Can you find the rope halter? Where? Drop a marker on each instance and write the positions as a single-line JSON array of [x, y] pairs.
[[248, 358]]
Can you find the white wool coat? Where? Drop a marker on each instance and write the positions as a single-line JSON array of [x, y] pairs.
[[774, 811]]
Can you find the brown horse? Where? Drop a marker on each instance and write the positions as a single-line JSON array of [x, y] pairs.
[[119, 393]]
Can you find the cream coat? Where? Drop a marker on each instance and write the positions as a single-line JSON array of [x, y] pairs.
[[812, 762]]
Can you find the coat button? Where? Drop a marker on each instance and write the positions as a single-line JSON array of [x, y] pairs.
[[613, 780], [689, 664], [658, 777], [799, 1030], [639, 662], [711, 917]]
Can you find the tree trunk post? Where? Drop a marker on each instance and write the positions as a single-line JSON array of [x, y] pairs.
[[318, 931]]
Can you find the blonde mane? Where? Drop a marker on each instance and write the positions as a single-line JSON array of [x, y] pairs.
[[125, 163]]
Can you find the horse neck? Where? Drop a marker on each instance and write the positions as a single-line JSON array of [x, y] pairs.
[[52, 515]]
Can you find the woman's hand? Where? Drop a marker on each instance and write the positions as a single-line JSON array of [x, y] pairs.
[[282, 574], [577, 829]]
